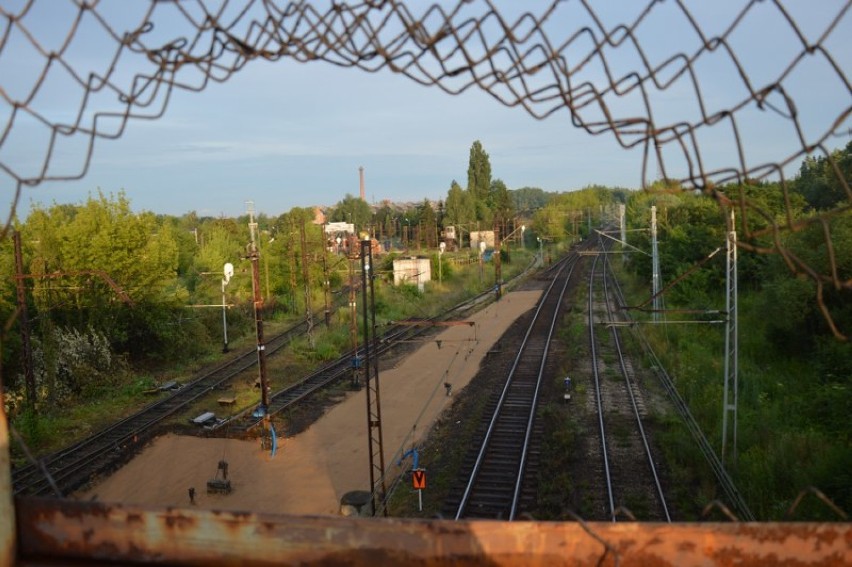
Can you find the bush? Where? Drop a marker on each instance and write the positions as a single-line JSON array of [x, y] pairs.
[[69, 363]]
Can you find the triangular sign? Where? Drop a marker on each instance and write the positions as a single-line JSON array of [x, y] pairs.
[[418, 479]]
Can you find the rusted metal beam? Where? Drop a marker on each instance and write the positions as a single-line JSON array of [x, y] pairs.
[[425, 323], [68, 530]]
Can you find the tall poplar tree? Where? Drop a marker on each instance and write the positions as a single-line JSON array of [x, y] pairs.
[[478, 174]]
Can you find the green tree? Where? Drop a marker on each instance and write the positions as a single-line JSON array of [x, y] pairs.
[[690, 229], [95, 253], [573, 212], [287, 248], [103, 234], [549, 224], [479, 178], [9, 353], [501, 202], [794, 316], [428, 224], [459, 209], [385, 221], [288, 258], [824, 180], [221, 244], [185, 231], [353, 209], [527, 200]]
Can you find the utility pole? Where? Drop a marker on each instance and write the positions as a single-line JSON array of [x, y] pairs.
[[258, 311], [729, 402], [293, 283], [227, 274], [622, 225], [353, 323], [326, 291], [309, 313], [266, 270], [29, 373], [540, 251], [498, 272], [655, 266], [371, 373], [441, 247]]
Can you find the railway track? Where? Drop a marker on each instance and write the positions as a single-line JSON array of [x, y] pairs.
[[342, 367], [62, 472], [65, 470], [725, 482], [491, 482], [627, 468]]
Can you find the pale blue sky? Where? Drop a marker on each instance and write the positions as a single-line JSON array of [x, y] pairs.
[[288, 134]]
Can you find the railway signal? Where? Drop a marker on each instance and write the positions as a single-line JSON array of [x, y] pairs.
[[418, 475], [227, 274]]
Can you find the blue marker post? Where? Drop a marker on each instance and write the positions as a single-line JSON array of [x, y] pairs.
[[415, 460]]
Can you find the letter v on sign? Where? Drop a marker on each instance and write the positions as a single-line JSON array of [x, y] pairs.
[[418, 479]]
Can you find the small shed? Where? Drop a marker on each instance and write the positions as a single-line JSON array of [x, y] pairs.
[[412, 271]]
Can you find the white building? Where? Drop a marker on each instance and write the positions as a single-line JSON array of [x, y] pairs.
[[412, 271]]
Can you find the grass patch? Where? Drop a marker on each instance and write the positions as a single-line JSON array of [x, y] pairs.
[[50, 429]]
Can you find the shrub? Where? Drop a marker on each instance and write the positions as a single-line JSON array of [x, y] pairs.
[[69, 363]]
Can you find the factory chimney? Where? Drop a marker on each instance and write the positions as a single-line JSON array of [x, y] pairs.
[[363, 194]]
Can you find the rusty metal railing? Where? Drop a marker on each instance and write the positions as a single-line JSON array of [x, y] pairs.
[[68, 530]]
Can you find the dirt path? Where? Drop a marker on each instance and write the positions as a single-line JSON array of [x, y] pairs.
[[313, 469]]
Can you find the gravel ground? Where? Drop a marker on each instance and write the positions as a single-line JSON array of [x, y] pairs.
[[323, 454]]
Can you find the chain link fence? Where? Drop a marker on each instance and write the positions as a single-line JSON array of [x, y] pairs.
[[686, 83]]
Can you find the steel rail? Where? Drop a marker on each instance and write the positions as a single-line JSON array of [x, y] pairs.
[[629, 386], [499, 414], [723, 478], [516, 496], [598, 401]]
